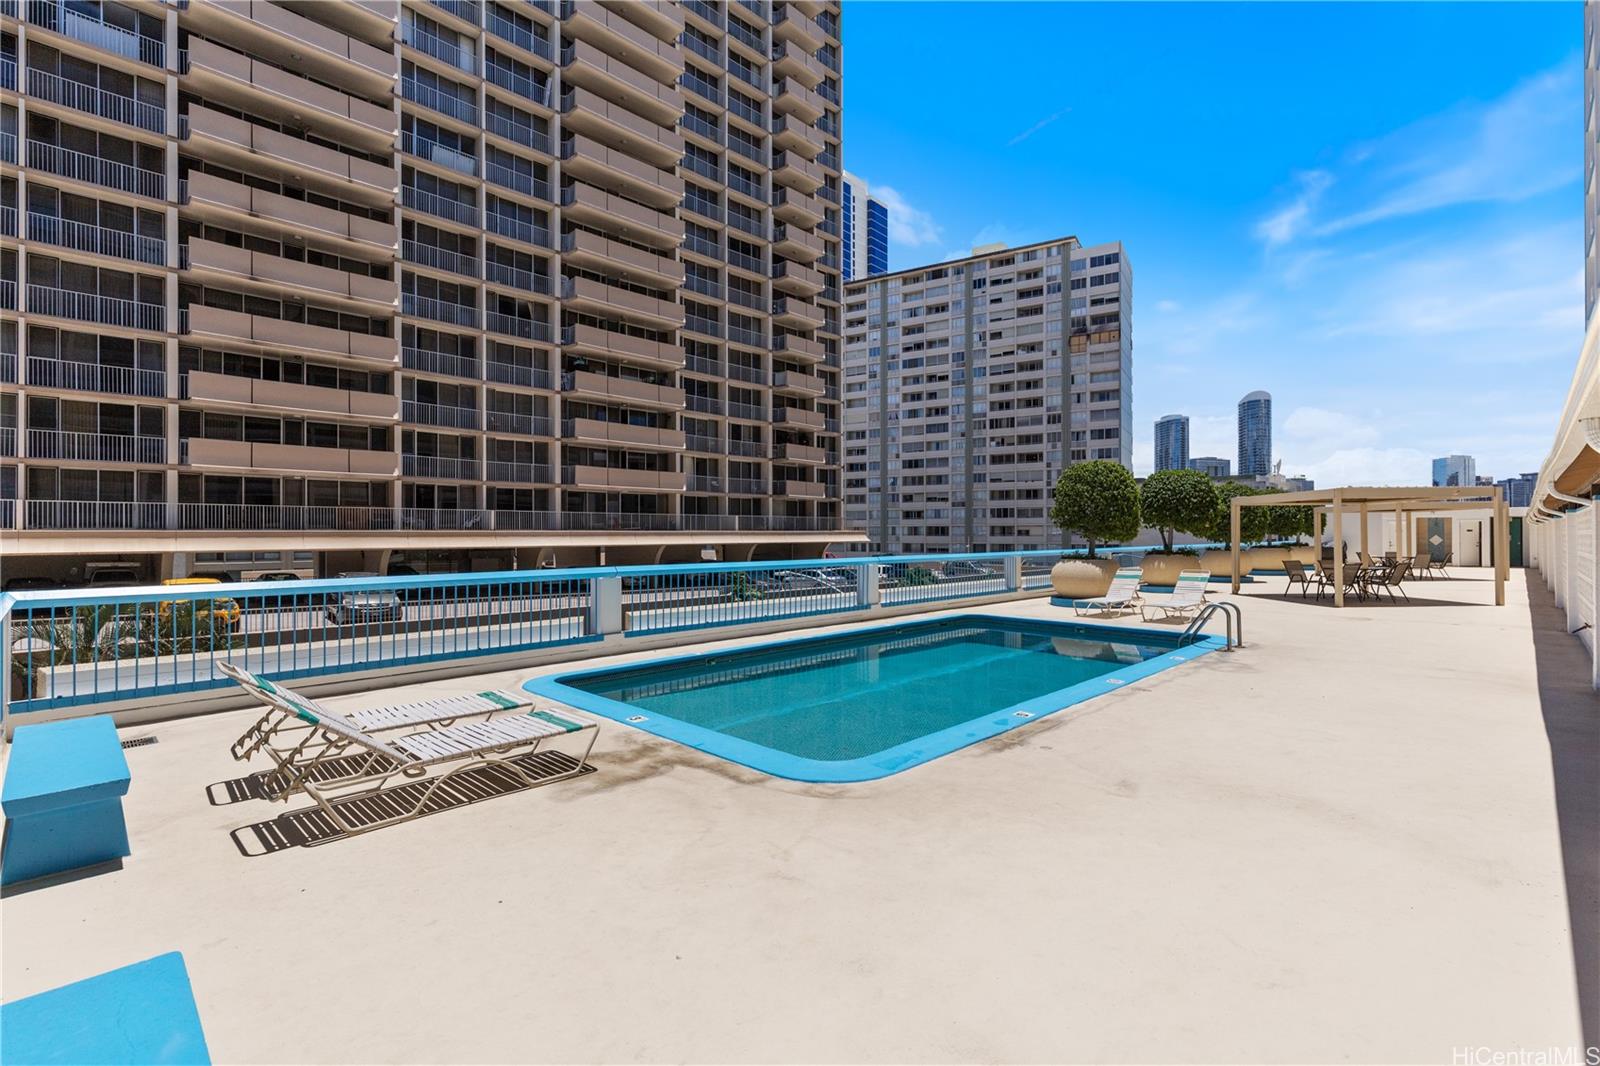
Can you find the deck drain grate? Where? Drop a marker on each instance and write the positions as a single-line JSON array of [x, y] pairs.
[[637, 718], [1022, 714], [138, 742]]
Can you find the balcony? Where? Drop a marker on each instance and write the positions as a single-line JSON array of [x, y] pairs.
[[440, 154], [789, 205], [98, 240], [612, 123], [622, 435], [95, 447], [797, 279], [101, 103], [271, 334], [517, 180], [273, 275], [518, 278], [623, 261], [447, 51], [94, 514], [616, 171], [92, 30], [625, 392], [238, 455], [217, 199], [520, 325], [434, 99], [523, 423], [92, 307], [222, 75], [607, 478], [439, 414], [94, 377], [800, 490], [794, 383], [507, 30], [447, 364], [294, 42], [798, 417], [793, 243], [588, 20], [587, 67], [789, 61], [434, 258], [802, 454], [438, 310], [611, 301], [516, 229], [612, 214], [796, 313], [520, 473], [795, 99], [797, 172], [444, 207], [287, 396], [747, 486], [792, 134], [260, 150]]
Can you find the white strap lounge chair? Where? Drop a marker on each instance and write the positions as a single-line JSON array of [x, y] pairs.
[[280, 722], [1187, 597], [362, 800], [1123, 595]]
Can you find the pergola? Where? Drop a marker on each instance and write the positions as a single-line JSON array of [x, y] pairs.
[[1336, 503]]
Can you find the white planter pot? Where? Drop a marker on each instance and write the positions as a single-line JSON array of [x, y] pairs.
[[1164, 569], [1081, 579]]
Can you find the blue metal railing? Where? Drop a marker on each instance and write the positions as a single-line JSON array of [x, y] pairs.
[[69, 648]]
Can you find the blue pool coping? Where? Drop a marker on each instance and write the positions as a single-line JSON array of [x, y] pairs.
[[901, 756]]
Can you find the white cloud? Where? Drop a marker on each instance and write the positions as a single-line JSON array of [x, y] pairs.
[[1289, 221], [1367, 466], [1168, 307], [1319, 428], [908, 226], [1035, 128]]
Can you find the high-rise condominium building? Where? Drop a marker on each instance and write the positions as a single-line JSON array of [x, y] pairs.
[[1255, 434], [1455, 470], [1518, 491], [1172, 442], [518, 278], [866, 230], [1212, 466], [970, 384], [1591, 157]]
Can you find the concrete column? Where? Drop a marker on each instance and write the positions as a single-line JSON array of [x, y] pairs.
[[1013, 573], [869, 592], [605, 607], [1233, 538], [1338, 549]]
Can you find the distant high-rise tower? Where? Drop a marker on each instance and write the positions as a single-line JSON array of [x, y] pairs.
[[1455, 470], [1255, 434], [1172, 442], [866, 230], [1212, 466]]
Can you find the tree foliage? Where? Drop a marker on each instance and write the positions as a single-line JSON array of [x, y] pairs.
[[1099, 501], [1178, 501], [1252, 520]]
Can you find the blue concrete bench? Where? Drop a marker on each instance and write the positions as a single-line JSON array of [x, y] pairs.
[[144, 1013], [63, 798]]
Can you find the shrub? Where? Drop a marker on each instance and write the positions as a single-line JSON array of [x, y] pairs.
[[742, 588], [1178, 501], [918, 575], [1252, 520], [1098, 500]]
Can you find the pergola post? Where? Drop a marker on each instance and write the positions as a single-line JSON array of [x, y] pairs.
[[1365, 553], [1399, 533], [1337, 518], [1502, 546], [1233, 541]]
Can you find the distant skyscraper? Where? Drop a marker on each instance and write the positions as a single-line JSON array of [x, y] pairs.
[[1172, 442], [1255, 434], [866, 230], [1455, 470], [1518, 490], [1212, 466]]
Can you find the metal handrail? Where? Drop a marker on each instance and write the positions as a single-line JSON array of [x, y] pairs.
[[1231, 615]]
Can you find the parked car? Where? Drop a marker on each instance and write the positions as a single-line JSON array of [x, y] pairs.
[[966, 568], [113, 577], [370, 605], [222, 610], [278, 575], [28, 584]]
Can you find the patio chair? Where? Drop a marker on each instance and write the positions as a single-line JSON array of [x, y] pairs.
[[1421, 563], [415, 761], [1387, 579], [282, 723], [1352, 578], [1186, 598], [1123, 595], [1437, 564], [1299, 575]]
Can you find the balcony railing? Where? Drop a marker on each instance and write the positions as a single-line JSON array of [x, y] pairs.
[[94, 514], [446, 104], [516, 277], [517, 326], [93, 100], [521, 473], [439, 206], [445, 156], [81, 166], [431, 362], [521, 84], [516, 422], [92, 307], [8, 73], [99, 240], [516, 180], [438, 414], [8, 294], [505, 29], [517, 374], [520, 132], [95, 447], [82, 26], [429, 43], [96, 377], [439, 258], [438, 310], [438, 466], [518, 230]]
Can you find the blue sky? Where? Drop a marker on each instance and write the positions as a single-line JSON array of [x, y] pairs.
[[1373, 211]]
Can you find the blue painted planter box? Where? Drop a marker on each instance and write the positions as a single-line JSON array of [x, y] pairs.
[[63, 799]]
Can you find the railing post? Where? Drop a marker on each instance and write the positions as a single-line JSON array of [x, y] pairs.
[[1013, 573], [868, 591], [605, 607]]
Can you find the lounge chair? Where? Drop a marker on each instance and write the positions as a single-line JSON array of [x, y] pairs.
[[1299, 575], [1186, 598], [1123, 595], [281, 722], [503, 743]]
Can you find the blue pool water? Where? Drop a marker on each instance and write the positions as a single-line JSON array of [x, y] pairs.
[[872, 702]]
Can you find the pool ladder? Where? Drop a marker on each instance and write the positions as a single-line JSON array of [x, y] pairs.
[[1231, 615]]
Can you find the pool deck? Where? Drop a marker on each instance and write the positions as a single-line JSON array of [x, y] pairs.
[[1342, 843]]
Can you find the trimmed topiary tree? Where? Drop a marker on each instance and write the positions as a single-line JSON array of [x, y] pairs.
[[1252, 520], [1178, 501], [1099, 501]]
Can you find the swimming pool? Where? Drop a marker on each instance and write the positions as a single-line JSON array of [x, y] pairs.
[[871, 702]]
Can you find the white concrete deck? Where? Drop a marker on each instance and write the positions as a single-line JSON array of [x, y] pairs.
[[1339, 844]]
